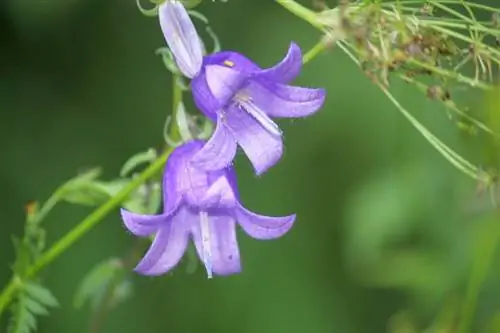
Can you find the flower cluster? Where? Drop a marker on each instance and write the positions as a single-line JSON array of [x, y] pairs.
[[200, 195]]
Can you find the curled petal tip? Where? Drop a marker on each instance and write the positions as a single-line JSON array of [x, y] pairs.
[[264, 227], [140, 225]]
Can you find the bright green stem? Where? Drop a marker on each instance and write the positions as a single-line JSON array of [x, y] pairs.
[[85, 226], [302, 12], [314, 51], [93, 219]]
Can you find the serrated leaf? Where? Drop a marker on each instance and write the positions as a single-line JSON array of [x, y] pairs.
[[35, 307], [23, 320], [93, 284], [136, 160], [41, 294]]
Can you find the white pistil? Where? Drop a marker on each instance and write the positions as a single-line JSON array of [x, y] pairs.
[[205, 243], [245, 102]]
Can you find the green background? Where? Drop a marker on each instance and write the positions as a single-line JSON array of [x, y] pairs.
[[384, 222]]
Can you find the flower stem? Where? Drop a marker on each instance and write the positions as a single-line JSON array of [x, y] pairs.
[[94, 218], [314, 51], [81, 229], [302, 12]]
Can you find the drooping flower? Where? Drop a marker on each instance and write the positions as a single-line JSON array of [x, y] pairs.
[[181, 37], [203, 206], [241, 98]]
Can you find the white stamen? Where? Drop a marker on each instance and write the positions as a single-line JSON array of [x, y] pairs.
[[245, 102], [205, 243]]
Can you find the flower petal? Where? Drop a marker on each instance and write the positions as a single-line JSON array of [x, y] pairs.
[[169, 245], [263, 227], [203, 98], [288, 69], [283, 101], [143, 225], [174, 174], [223, 245], [262, 148], [220, 194], [233, 60], [181, 37], [223, 82], [218, 152]]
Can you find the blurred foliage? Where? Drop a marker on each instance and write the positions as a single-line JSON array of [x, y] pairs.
[[387, 232]]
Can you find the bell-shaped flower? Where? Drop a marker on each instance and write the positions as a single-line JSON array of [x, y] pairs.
[[181, 37], [241, 98], [203, 206]]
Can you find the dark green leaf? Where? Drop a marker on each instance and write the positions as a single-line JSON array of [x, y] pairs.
[[36, 308]]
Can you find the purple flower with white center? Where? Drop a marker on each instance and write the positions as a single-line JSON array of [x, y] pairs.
[[203, 206], [181, 37], [241, 98]]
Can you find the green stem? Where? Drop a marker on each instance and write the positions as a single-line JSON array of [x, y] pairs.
[[91, 220], [314, 51], [302, 12], [455, 159], [81, 229]]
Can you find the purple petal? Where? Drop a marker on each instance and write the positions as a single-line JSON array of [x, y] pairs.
[[223, 82], [263, 148], [220, 194], [203, 98], [181, 37], [174, 173], [223, 245], [169, 245], [233, 60], [288, 69], [143, 225], [283, 101], [218, 152], [263, 227]]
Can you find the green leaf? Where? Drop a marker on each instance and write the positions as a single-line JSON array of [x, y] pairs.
[[41, 294], [94, 283], [30, 303], [136, 160], [36, 308], [83, 189]]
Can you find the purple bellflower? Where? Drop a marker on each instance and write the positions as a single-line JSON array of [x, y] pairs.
[[181, 37], [237, 95], [241, 98], [203, 206]]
